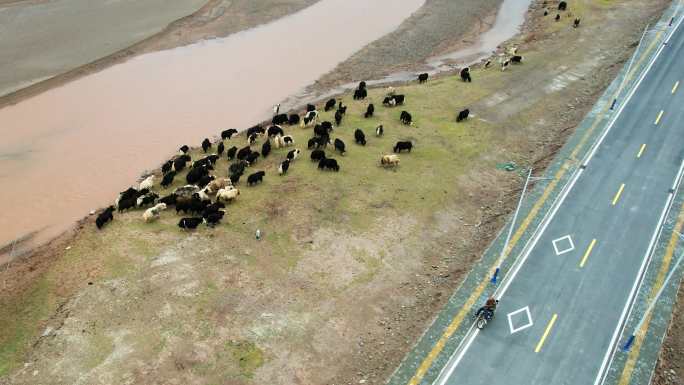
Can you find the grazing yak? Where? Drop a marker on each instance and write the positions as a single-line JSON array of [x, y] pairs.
[[310, 118], [317, 155], [369, 111], [104, 217], [205, 180], [212, 208], [235, 177], [293, 119], [252, 157], [517, 59], [184, 149], [400, 146], [360, 137], [463, 115], [422, 78], [214, 219], [148, 183], [266, 148], [329, 105], [287, 141], [280, 119], [238, 167], [465, 75], [338, 117], [192, 206], [505, 64], [196, 173], [186, 191], [284, 166], [379, 130], [557, 18], [341, 108], [562, 6], [169, 200], [227, 194], [167, 166], [310, 107], [258, 130], [219, 150], [231, 152], [292, 155], [168, 178], [275, 131], [206, 145], [393, 100], [217, 184], [180, 162], [406, 118], [251, 139], [360, 94], [125, 204], [152, 214], [576, 23], [339, 146], [390, 160], [362, 85], [146, 200], [255, 178], [242, 154], [227, 134], [327, 126], [189, 223], [328, 164]]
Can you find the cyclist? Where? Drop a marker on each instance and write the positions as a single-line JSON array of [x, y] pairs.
[[488, 309]]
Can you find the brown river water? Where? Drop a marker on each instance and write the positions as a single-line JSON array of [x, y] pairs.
[[71, 149]]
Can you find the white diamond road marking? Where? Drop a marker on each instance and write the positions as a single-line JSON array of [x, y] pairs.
[[571, 246], [529, 323]]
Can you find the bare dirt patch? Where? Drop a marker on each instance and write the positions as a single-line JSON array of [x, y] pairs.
[[352, 265]]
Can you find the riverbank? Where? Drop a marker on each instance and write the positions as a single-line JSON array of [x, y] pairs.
[[352, 265]]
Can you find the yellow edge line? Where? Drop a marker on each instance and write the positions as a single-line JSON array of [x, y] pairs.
[[660, 115], [675, 87], [546, 333], [641, 150], [586, 254], [641, 334], [617, 195], [456, 322]]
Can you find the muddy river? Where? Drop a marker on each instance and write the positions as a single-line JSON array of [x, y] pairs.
[[71, 149]]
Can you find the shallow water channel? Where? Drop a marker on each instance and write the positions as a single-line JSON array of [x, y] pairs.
[[71, 149]]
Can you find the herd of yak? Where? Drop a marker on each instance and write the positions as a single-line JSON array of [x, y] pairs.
[[195, 198]]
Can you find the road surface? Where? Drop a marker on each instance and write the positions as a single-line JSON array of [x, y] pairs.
[[561, 313]]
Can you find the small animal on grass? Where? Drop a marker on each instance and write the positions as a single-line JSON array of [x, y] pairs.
[[557, 18], [252, 138], [317, 155], [328, 164], [256, 178], [220, 149], [562, 6], [266, 148], [391, 160], [463, 115], [227, 194], [517, 59], [184, 149], [360, 137], [206, 144], [360, 94], [338, 117], [369, 111], [287, 141], [293, 154], [167, 180], [401, 146], [152, 214], [231, 153], [244, 151], [275, 131], [214, 219], [329, 105], [279, 119], [284, 166], [227, 134], [422, 78], [406, 118], [576, 23], [293, 119], [252, 157], [148, 183], [465, 75], [379, 130], [340, 146], [104, 217], [190, 223]]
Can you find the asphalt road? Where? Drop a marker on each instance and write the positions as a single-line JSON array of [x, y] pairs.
[[576, 295]]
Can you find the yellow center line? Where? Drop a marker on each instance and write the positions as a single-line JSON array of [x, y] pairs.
[[461, 315], [675, 87], [641, 334], [586, 254], [660, 115], [617, 195], [546, 333], [641, 150]]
